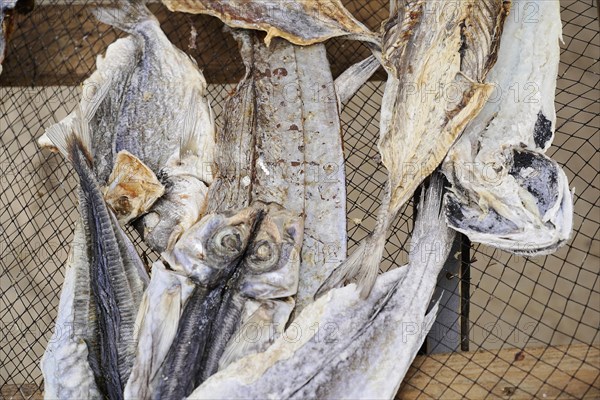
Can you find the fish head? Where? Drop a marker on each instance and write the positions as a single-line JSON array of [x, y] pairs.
[[213, 247], [271, 265], [132, 187]]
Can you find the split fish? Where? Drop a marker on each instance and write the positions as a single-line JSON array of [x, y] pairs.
[[344, 346], [117, 278], [156, 327], [210, 254], [149, 98], [65, 366], [299, 22], [506, 192], [428, 49]]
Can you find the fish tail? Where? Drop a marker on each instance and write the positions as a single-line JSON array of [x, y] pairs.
[[363, 264], [127, 15]]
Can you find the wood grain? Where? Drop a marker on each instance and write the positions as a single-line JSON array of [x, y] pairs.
[[557, 372], [58, 44]]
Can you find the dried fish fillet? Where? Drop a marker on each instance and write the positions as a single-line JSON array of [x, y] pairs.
[[343, 346], [156, 325], [506, 192], [116, 273], [299, 21], [67, 372], [428, 49]]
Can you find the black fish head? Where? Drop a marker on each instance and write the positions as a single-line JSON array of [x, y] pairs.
[[213, 247]]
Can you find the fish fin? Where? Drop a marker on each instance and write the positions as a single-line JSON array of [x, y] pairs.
[[126, 16], [362, 266], [363, 263], [72, 139], [189, 138], [352, 79]]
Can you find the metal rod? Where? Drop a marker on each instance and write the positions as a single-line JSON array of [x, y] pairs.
[[465, 291]]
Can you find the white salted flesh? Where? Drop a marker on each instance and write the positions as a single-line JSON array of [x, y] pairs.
[[156, 325], [67, 373]]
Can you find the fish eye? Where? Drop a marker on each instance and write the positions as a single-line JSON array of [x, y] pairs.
[[227, 242], [264, 256]]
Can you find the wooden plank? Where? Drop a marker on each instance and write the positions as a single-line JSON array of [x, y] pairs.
[[58, 44], [544, 372], [557, 372]]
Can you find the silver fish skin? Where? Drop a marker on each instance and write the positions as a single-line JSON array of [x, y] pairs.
[[132, 106], [65, 367], [209, 253], [362, 347], [506, 192], [117, 276], [262, 294]]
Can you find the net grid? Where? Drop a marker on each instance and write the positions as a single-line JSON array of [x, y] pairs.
[[516, 303]]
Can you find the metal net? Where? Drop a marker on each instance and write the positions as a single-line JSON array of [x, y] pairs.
[[510, 326]]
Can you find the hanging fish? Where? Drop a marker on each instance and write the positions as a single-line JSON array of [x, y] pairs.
[[300, 22], [344, 346], [149, 98], [65, 366], [506, 192], [428, 49], [156, 327], [117, 278]]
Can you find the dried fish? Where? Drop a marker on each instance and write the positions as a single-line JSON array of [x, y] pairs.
[[428, 49], [299, 22], [351, 80], [149, 98], [132, 188], [210, 253], [156, 326], [117, 275], [343, 346], [67, 372], [506, 192]]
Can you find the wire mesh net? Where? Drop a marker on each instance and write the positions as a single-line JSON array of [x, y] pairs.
[[505, 309]]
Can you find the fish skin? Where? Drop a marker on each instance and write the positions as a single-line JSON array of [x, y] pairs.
[[299, 22], [424, 47], [156, 325], [506, 192], [117, 275], [65, 367], [359, 350], [266, 280], [209, 253], [167, 123], [351, 80]]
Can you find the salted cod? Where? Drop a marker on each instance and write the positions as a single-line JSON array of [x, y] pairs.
[[258, 293], [149, 98], [506, 192], [103, 290], [343, 346], [437, 56]]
